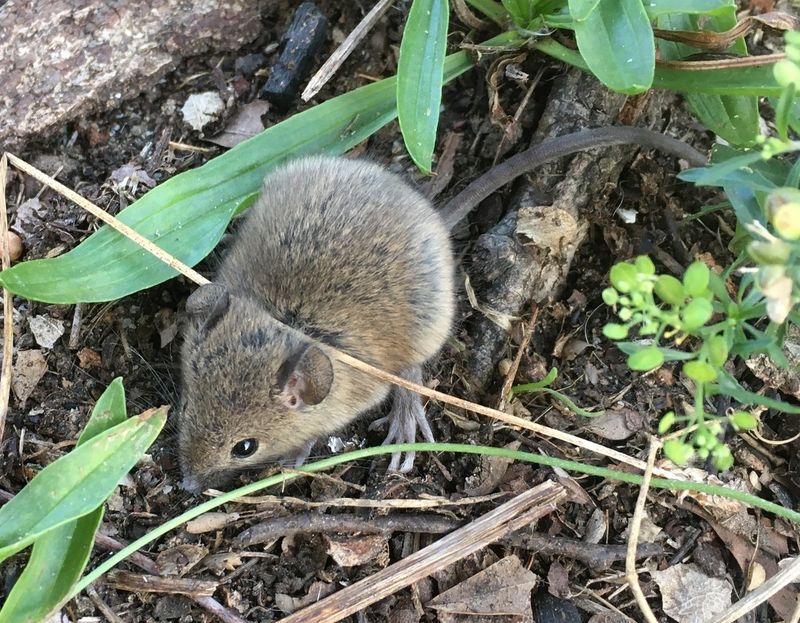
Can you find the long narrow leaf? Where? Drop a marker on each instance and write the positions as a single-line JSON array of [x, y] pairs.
[[187, 214], [756, 80], [60, 555], [733, 117], [616, 41], [657, 8], [77, 483], [420, 77]]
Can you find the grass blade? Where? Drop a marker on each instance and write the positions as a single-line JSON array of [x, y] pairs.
[[60, 555], [77, 483], [187, 214], [420, 78]]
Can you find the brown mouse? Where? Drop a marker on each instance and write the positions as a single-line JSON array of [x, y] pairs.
[[335, 253]]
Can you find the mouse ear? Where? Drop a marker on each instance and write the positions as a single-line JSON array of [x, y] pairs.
[[208, 304], [308, 378]]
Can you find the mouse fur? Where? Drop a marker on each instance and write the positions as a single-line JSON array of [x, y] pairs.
[[335, 253]]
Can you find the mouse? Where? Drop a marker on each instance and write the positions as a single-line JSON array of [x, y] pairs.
[[341, 254]]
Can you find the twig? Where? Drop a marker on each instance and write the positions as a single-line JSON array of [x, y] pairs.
[[775, 584], [511, 375], [368, 503], [276, 527], [8, 306], [102, 606], [207, 603], [75, 330], [631, 575], [347, 46], [104, 216], [593, 555], [513, 515], [148, 583]]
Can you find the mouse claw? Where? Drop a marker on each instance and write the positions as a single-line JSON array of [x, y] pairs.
[[406, 416], [297, 459]]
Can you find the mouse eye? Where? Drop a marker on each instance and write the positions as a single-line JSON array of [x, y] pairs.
[[245, 448]]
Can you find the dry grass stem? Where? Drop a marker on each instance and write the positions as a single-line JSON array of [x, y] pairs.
[[512, 515], [511, 376], [790, 573], [8, 306], [335, 60], [416, 503], [631, 574], [104, 216]]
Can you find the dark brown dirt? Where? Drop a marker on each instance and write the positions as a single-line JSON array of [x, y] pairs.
[[124, 338]]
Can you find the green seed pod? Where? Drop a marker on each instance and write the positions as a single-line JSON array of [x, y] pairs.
[[645, 265], [722, 458], [695, 279], [743, 420], [625, 313], [646, 359], [786, 220], [775, 253], [786, 73], [717, 350], [696, 314], [670, 290], [700, 371], [678, 451], [649, 328], [703, 453], [615, 331], [666, 422], [624, 277], [610, 297]]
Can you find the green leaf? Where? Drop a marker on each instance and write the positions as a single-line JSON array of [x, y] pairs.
[[666, 422], [696, 314], [77, 483], [729, 386], [624, 277], [695, 279], [743, 420], [677, 451], [581, 9], [700, 371], [646, 359], [420, 77], [527, 387], [60, 555], [669, 290], [187, 214], [734, 118], [657, 8], [616, 41], [717, 350], [733, 81], [615, 331], [491, 9], [521, 11]]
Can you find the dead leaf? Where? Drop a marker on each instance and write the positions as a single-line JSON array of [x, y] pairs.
[[547, 227], [46, 331], [491, 473], [288, 604], [616, 424], [245, 124], [690, 596], [177, 561], [28, 370], [201, 109], [223, 562], [502, 589], [353, 551], [88, 358], [558, 580]]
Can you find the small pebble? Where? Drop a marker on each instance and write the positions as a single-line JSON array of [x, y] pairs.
[[14, 246]]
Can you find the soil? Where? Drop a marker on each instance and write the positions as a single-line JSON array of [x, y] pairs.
[[138, 339]]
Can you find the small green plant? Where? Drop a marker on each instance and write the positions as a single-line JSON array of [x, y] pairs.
[[59, 511], [708, 318]]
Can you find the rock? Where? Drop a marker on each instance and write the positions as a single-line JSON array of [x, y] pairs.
[[63, 59]]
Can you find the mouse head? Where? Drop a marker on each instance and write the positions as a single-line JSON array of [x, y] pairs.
[[250, 386]]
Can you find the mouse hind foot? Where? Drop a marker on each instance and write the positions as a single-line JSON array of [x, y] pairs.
[[406, 416]]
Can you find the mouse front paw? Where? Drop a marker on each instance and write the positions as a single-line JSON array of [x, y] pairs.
[[406, 416], [299, 457]]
